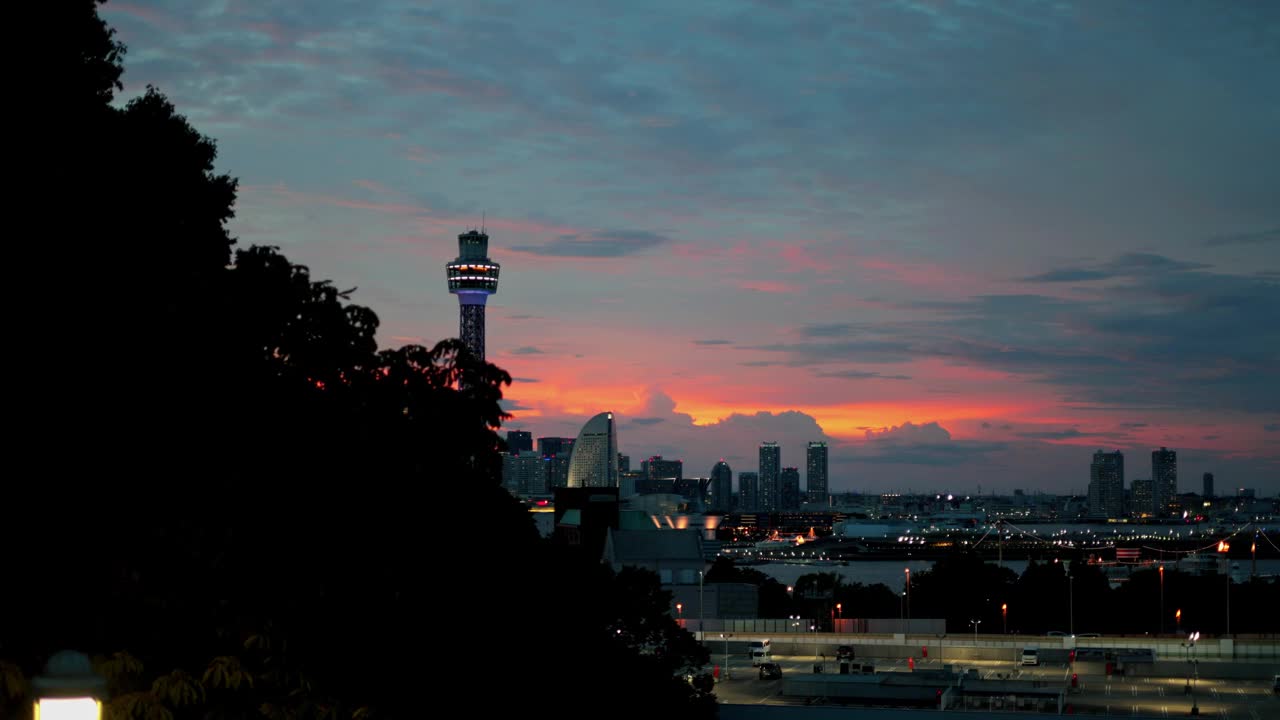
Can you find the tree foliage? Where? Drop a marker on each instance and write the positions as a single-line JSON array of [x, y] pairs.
[[240, 504]]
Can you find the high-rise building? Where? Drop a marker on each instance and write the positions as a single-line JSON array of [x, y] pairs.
[[748, 492], [523, 474], [624, 463], [1164, 477], [789, 489], [770, 466], [594, 462], [1208, 485], [552, 446], [473, 277], [815, 477], [721, 486], [660, 475], [519, 441], [1106, 485], [1141, 503], [555, 452]]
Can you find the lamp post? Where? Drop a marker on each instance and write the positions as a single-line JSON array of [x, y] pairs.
[[1004, 617], [1177, 619], [1190, 644], [908, 570], [1071, 598], [975, 624], [726, 637], [1162, 599], [701, 615], [680, 614], [68, 689]]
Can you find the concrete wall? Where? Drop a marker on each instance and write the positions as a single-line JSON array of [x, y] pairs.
[[991, 646]]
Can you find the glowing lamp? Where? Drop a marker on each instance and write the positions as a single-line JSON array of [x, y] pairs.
[[68, 689]]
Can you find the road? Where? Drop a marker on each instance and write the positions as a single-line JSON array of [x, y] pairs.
[[1096, 694]]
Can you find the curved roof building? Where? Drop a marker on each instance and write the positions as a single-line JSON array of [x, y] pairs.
[[594, 460]]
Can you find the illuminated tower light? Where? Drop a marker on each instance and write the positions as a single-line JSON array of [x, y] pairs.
[[473, 277]]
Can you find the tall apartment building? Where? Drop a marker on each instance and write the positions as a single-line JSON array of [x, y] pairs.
[[1106, 485]]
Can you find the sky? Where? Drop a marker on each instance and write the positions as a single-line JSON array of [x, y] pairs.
[[965, 243]]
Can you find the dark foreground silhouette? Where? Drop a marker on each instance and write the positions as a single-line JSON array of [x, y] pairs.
[[230, 498]]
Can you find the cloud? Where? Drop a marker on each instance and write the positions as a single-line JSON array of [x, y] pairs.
[[646, 420], [1251, 238], [1127, 265], [927, 444], [510, 405], [603, 244], [1271, 427], [1069, 275], [860, 375], [712, 342], [909, 432], [1066, 434], [525, 380], [527, 350]]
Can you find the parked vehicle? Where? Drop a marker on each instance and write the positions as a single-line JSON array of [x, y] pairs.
[[760, 652], [770, 671], [1030, 656], [1275, 685], [844, 652]]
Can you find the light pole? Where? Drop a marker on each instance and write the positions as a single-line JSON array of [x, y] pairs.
[[1177, 619], [1071, 599], [69, 689], [901, 617], [680, 613], [1162, 599], [1190, 644], [701, 616], [908, 570], [726, 637], [1004, 617], [839, 612], [975, 624]]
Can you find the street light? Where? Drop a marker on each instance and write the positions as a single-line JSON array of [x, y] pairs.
[[1162, 599], [908, 571], [726, 637], [1071, 598], [680, 613], [975, 624], [69, 689], [1004, 616], [701, 616], [1177, 619], [1191, 661]]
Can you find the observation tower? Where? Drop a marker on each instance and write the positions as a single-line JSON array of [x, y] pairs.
[[473, 277]]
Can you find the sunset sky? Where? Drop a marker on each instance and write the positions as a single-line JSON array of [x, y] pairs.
[[966, 243]]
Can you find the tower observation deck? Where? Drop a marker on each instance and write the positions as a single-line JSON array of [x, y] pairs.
[[473, 277]]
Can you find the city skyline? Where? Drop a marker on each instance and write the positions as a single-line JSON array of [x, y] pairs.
[[962, 246]]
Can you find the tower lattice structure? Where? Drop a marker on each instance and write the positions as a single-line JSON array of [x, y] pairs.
[[473, 277]]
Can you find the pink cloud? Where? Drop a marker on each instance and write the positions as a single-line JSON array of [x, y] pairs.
[[768, 286], [151, 16]]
